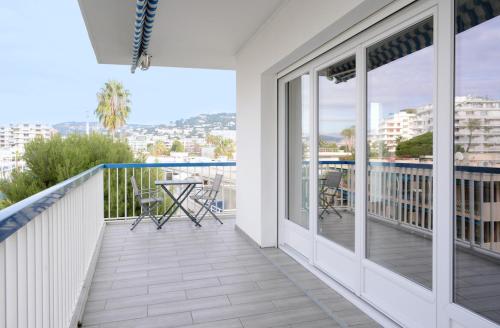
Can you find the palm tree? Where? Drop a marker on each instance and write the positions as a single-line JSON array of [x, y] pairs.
[[472, 125], [225, 148], [113, 107], [349, 134]]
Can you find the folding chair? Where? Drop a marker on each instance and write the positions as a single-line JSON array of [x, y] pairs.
[[329, 192], [206, 198], [149, 201]]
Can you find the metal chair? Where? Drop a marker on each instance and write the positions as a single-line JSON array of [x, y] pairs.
[[149, 201], [206, 198], [329, 192]]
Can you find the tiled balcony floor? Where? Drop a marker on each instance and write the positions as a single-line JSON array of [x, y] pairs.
[[477, 281], [183, 276]]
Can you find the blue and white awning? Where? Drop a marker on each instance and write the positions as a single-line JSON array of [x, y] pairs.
[[145, 12]]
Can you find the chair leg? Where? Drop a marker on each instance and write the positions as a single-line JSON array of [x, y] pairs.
[[136, 222], [337, 212], [203, 207], [321, 216], [215, 216], [154, 219]]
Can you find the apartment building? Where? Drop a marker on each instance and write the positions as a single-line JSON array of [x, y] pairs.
[[396, 127], [477, 126], [17, 135]]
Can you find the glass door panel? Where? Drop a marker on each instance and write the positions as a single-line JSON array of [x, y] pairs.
[[297, 146], [400, 81], [336, 138], [477, 157]]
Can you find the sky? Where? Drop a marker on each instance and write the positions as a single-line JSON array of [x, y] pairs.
[[49, 73], [408, 82]]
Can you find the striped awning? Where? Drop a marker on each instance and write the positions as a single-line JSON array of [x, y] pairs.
[[342, 71], [399, 45], [145, 12], [402, 44], [469, 13]]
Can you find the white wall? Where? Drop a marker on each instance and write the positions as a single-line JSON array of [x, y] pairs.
[[295, 23]]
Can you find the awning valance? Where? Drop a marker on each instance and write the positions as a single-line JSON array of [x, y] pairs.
[[470, 13], [144, 18], [399, 45], [402, 44]]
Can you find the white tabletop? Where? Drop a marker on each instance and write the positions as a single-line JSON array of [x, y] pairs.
[[178, 182]]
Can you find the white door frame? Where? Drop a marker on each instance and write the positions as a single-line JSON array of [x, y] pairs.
[[415, 306], [290, 234]]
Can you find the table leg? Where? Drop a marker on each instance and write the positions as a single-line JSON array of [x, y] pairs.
[[178, 204], [175, 202]]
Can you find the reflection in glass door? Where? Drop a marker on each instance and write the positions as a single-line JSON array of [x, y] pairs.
[[477, 157], [297, 139], [400, 71], [336, 136]]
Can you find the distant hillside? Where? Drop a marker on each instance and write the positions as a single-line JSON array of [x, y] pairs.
[[223, 120], [226, 121]]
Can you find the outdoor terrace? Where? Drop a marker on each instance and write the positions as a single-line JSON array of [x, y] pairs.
[[73, 240], [67, 257], [182, 276], [409, 253]]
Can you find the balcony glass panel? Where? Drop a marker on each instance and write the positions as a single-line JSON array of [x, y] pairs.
[[297, 97], [400, 141], [337, 120], [477, 157]]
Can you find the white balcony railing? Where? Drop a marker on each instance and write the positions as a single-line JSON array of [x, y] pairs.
[[49, 241], [120, 203], [401, 193]]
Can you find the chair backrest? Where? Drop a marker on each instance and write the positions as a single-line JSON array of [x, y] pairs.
[[333, 179], [135, 189], [216, 185]]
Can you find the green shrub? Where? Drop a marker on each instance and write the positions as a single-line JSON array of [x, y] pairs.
[[415, 147], [54, 160]]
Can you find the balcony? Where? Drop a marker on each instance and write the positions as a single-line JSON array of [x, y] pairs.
[[68, 257], [67, 254]]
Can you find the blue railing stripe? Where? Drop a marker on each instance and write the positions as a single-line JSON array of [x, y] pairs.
[[19, 214], [143, 165], [471, 169]]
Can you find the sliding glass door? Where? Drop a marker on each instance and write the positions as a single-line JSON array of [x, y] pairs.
[[400, 89], [294, 138], [477, 157], [297, 141], [390, 164], [337, 94]]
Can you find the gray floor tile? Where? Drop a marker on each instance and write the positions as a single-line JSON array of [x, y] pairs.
[[231, 323], [188, 305], [222, 290], [205, 278], [148, 299], [284, 317], [234, 311], [163, 321], [265, 295], [183, 285], [114, 315]]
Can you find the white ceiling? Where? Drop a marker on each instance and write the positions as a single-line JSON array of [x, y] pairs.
[[187, 33]]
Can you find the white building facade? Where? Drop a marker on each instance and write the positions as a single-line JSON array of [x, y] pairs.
[[17, 135]]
